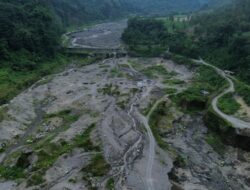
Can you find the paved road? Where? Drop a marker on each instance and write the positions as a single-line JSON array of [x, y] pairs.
[[237, 123]]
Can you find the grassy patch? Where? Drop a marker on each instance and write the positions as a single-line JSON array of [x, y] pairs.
[[155, 119], [147, 109], [135, 65], [173, 81], [110, 185], [13, 82], [83, 140], [215, 142], [156, 71], [97, 166], [110, 89], [170, 90], [146, 50], [193, 99], [182, 60], [122, 103], [243, 90], [2, 113], [172, 25], [49, 152], [11, 173], [35, 179], [67, 116], [228, 104], [114, 72], [180, 161]]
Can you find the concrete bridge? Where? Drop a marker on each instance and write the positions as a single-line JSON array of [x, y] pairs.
[[107, 53]]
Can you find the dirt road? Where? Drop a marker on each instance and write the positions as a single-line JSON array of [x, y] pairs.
[[237, 123]]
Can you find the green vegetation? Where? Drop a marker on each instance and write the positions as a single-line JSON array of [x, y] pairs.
[[49, 152], [83, 12], [11, 173], [182, 60], [160, 120], [145, 37], [180, 161], [2, 113], [205, 84], [123, 102], [84, 141], [156, 71], [97, 166], [110, 89], [173, 25], [115, 72], [152, 37], [147, 109], [66, 115], [35, 179], [170, 90], [221, 36], [13, 82], [243, 90], [220, 127], [30, 34], [110, 185], [228, 104], [215, 142]]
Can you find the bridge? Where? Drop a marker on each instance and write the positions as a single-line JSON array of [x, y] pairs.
[[93, 52]]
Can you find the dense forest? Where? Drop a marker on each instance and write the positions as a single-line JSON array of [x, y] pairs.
[[35, 27], [31, 30], [28, 32], [222, 37], [78, 11]]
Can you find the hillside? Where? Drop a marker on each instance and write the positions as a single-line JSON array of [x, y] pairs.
[[80, 11], [143, 103], [221, 36]]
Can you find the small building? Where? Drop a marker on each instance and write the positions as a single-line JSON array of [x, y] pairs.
[[229, 72], [204, 93], [143, 83], [182, 18]]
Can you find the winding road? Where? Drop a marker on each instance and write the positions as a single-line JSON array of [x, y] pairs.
[[237, 123]]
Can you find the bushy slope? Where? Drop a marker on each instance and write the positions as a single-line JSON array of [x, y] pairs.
[[209, 4], [222, 37], [27, 26], [79, 11], [75, 12]]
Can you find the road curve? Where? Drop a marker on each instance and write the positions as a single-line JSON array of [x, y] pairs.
[[237, 123]]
